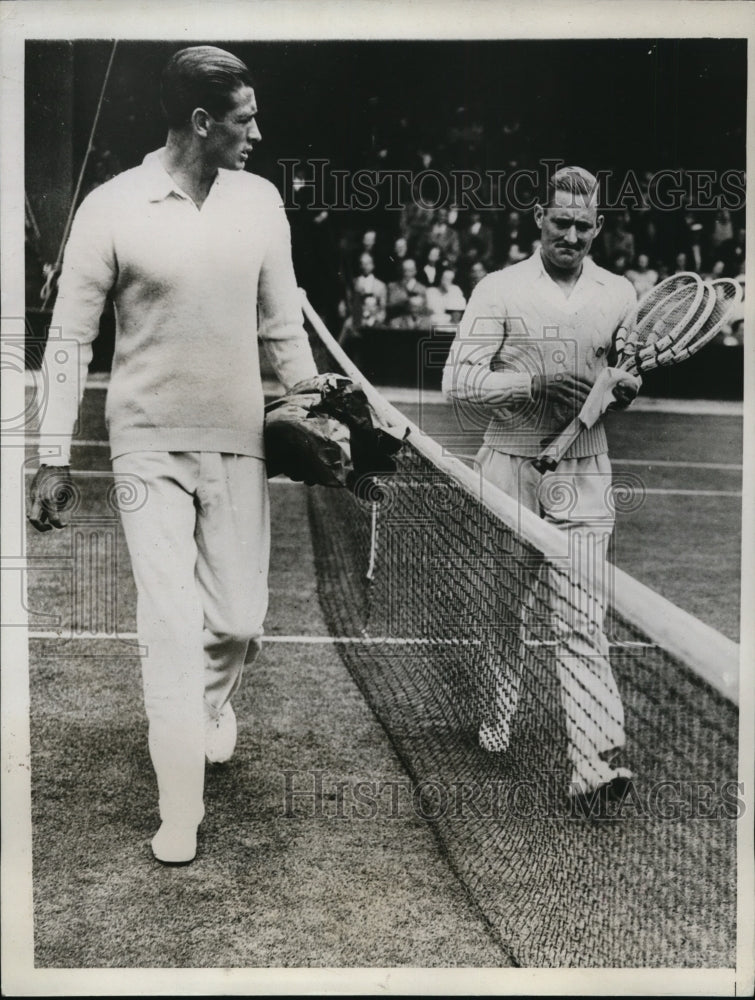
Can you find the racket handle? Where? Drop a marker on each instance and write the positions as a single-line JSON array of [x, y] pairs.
[[550, 456], [555, 450], [598, 400]]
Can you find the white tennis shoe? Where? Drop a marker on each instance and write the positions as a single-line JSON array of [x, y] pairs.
[[219, 734], [175, 845]]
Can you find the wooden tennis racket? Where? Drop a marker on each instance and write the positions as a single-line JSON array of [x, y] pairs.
[[673, 321]]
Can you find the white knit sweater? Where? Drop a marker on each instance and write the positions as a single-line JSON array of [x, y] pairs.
[[188, 286]]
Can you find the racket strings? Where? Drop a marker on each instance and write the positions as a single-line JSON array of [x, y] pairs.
[[661, 292], [680, 318], [665, 309], [725, 294], [681, 327]]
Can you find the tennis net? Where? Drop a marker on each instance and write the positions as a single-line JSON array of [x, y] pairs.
[[468, 613]]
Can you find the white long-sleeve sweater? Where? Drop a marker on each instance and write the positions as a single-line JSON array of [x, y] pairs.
[[518, 324], [187, 285]]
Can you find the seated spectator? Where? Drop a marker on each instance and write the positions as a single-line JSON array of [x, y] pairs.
[[417, 316], [723, 230], [366, 283], [351, 334], [476, 241], [369, 242], [416, 223], [642, 275], [446, 303], [716, 270], [680, 263], [399, 291], [619, 263], [443, 235], [372, 312], [732, 253], [476, 273], [617, 239], [391, 267], [689, 241], [430, 273], [513, 243]]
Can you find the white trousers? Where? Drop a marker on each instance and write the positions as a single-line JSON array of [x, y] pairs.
[[576, 498], [199, 546]]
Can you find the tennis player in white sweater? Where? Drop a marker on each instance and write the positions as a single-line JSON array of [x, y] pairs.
[[192, 250]]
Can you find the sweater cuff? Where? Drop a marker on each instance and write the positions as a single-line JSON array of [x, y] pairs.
[[519, 385], [475, 384]]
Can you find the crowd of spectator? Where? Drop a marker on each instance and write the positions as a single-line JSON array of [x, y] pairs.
[[421, 264], [416, 268], [421, 275]]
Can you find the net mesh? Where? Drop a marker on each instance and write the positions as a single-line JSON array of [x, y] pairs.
[[468, 629]]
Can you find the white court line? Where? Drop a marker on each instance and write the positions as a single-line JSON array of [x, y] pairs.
[[83, 443], [643, 404], [694, 493], [434, 397], [469, 457], [649, 463], [306, 640], [282, 480], [328, 640], [662, 463], [101, 380]]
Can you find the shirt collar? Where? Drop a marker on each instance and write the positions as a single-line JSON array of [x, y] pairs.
[[590, 270], [159, 183]]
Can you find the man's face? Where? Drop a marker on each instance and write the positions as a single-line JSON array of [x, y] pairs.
[[416, 305], [230, 138], [366, 264], [567, 229], [477, 272], [447, 279], [409, 269]]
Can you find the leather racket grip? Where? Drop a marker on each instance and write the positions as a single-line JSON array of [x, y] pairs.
[[550, 456]]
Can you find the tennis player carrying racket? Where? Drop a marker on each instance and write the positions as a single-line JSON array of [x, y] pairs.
[[532, 342]]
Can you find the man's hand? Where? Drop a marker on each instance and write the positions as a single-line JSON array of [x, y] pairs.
[[320, 383], [564, 394], [624, 392], [51, 493]]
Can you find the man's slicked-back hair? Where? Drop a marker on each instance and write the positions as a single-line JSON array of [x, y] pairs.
[[577, 182], [202, 76]]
